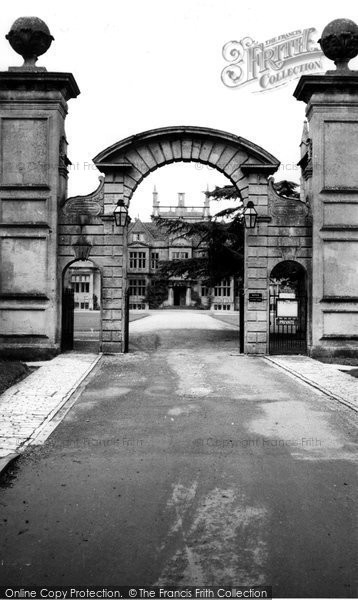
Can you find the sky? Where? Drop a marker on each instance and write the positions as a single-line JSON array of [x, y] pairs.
[[153, 63]]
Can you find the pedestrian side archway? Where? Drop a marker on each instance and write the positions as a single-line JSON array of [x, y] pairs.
[[81, 294], [87, 223], [288, 308]]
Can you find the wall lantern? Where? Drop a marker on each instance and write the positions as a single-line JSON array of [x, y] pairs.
[[250, 215], [121, 215], [82, 248]]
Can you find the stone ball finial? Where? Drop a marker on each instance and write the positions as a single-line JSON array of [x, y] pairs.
[[339, 42], [30, 37]]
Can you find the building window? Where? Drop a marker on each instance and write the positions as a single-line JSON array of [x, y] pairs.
[[137, 306], [204, 290], [80, 284], [137, 287], [137, 260], [154, 260], [180, 255], [137, 237], [222, 307], [223, 289]]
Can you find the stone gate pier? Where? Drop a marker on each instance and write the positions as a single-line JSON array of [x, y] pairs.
[[33, 183], [330, 187]]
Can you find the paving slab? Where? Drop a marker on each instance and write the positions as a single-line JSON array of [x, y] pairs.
[[325, 377], [27, 408]]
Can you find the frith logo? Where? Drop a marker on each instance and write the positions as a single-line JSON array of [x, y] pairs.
[[272, 63]]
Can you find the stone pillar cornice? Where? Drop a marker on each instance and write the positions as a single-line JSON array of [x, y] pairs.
[[327, 88], [39, 81]]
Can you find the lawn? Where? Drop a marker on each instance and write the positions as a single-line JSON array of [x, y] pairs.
[[231, 319], [10, 373], [135, 316]]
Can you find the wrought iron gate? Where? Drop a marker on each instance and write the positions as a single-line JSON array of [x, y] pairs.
[[68, 304], [126, 322], [242, 320], [288, 334]]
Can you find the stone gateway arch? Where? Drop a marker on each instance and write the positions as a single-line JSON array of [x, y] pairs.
[[124, 165], [133, 158]]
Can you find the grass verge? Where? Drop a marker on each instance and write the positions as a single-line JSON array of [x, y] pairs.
[[11, 372]]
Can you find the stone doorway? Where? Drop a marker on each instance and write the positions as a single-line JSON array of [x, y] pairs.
[[288, 309], [179, 295], [81, 307]]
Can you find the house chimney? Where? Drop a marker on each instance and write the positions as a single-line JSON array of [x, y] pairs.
[[181, 199], [155, 203]]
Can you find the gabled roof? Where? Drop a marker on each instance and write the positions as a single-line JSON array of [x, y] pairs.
[[139, 226], [138, 244], [157, 234]]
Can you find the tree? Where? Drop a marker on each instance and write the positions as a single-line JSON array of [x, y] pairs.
[[284, 188], [157, 292], [218, 247], [220, 240]]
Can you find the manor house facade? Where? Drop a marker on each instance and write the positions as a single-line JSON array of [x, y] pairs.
[[148, 245]]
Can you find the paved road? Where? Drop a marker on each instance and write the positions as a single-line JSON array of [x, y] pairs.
[[185, 463], [87, 326], [87, 323], [177, 319]]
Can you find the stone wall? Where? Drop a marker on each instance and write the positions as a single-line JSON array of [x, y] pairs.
[[84, 218], [283, 232]]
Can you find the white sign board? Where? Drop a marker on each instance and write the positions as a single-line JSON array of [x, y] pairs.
[[287, 308], [287, 295]]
